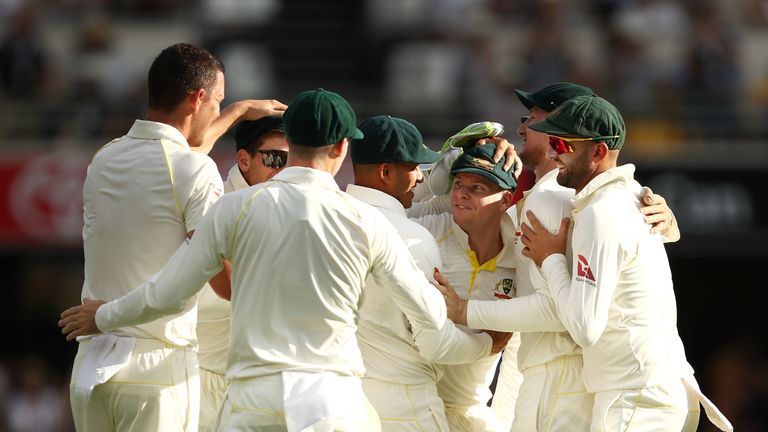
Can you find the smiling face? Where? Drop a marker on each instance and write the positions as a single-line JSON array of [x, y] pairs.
[[575, 169], [477, 202], [252, 166], [403, 177], [533, 151]]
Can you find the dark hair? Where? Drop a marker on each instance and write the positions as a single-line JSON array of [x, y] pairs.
[[258, 142], [178, 71]]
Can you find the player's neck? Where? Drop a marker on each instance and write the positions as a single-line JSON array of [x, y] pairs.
[[485, 242], [544, 167]]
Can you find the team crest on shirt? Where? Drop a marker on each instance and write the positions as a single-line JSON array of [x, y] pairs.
[[505, 289], [584, 272]]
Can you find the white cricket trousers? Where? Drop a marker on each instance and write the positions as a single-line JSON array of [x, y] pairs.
[[553, 398], [213, 390], [406, 408], [158, 389], [476, 418], [666, 407], [274, 403]]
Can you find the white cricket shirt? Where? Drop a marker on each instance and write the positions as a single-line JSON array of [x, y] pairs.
[[467, 384], [301, 250], [619, 305], [390, 349], [142, 194], [532, 312]]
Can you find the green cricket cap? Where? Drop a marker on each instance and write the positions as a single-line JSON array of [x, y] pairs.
[[317, 118], [586, 117], [249, 131], [392, 140], [552, 96], [479, 160]]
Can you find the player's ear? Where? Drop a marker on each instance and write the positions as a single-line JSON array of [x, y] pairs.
[[339, 150], [506, 200], [195, 99], [600, 152], [384, 170], [243, 160]]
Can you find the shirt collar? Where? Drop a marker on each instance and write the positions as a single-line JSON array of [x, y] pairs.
[[623, 173], [235, 180], [145, 129], [304, 175], [376, 198], [539, 181], [506, 255]]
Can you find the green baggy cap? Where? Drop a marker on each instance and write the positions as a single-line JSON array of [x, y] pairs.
[[479, 160], [392, 140], [552, 96], [317, 118], [586, 117]]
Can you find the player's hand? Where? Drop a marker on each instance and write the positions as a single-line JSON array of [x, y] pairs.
[[455, 305], [248, 109], [658, 215], [540, 243], [500, 340], [254, 109], [80, 320], [504, 148]]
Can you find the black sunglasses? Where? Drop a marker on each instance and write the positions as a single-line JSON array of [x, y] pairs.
[[274, 158]]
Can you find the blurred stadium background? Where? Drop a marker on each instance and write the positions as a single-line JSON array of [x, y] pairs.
[[691, 78]]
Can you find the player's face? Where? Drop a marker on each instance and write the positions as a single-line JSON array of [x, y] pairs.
[[533, 151], [575, 169], [209, 110], [403, 178], [257, 171], [475, 200]]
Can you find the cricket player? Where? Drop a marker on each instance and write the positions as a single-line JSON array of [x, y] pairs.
[[262, 152], [300, 251], [144, 194], [402, 363], [478, 264], [616, 299]]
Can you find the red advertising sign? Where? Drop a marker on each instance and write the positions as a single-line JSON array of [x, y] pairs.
[[41, 198], [41, 195]]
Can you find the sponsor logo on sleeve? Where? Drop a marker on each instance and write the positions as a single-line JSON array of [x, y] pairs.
[[584, 272]]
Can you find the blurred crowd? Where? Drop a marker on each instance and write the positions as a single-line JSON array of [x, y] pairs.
[[680, 70], [72, 75]]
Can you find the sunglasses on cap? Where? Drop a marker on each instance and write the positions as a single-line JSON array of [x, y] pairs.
[[274, 158], [563, 145]]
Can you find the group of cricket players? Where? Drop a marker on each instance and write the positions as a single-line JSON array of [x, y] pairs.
[[275, 301]]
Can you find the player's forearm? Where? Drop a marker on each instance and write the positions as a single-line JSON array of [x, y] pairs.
[[166, 293], [436, 205], [451, 345], [396, 272], [136, 307], [532, 313], [228, 117], [421, 303]]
